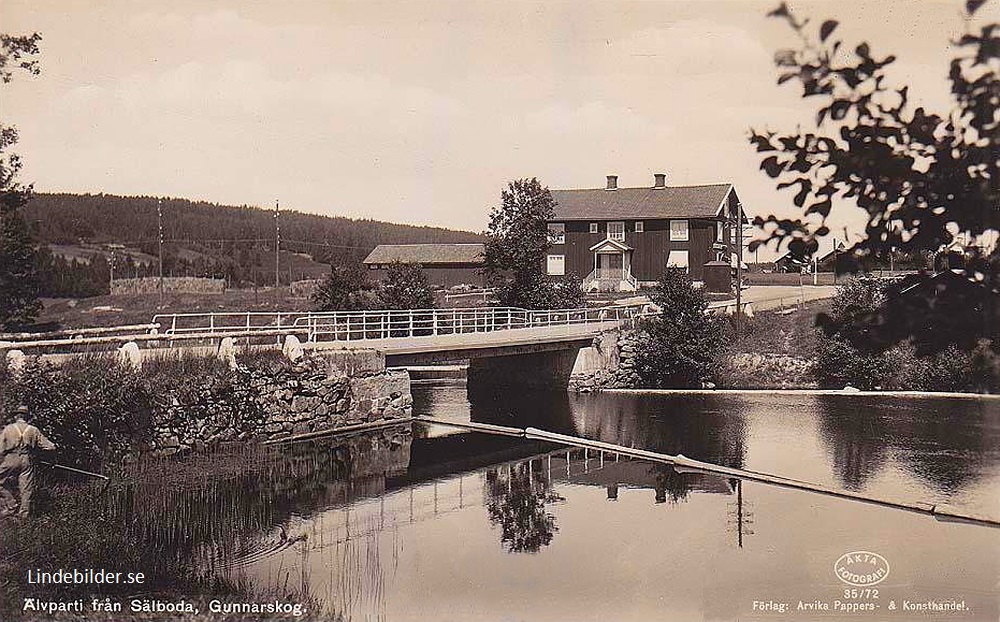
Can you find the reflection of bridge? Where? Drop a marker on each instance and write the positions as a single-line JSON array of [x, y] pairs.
[[504, 345]]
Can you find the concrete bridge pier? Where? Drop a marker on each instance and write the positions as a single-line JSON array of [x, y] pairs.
[[536, 370]]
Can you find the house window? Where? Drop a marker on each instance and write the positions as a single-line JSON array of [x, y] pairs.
[[616, 231], [593, 227], [678, 259], [678, 231], [638, 226], [718, 231], [557, 233], [556, 265]]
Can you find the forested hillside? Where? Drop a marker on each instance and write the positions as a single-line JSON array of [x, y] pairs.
[[200, 239]]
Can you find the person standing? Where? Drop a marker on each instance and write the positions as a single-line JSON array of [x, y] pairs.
[[19, 442]]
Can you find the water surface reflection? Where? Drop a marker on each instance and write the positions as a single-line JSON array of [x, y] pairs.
[[452, 525]]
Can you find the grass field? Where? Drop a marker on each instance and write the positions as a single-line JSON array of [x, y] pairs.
[[139, 309]]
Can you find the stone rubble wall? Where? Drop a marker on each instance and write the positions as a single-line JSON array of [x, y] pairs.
[[323, 391], [174, 284], [609, 363]]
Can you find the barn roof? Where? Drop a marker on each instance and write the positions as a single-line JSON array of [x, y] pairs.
[[640, 203], [426, 254]]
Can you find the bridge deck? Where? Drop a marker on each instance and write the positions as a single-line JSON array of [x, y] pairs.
[[517, 339]]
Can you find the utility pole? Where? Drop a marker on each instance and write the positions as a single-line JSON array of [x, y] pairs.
[[277, 247], [159, 228], [739, 268]]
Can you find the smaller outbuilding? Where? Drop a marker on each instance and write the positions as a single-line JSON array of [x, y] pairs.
[[445, 265]]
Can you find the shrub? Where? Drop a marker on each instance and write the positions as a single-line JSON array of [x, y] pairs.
[[404, 287], [681, 347], [344, 289], [93, 408], [840, 364]]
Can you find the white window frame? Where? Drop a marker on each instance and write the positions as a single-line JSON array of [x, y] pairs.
[[680, 236], [551, 270], [719, 231], [557, 233], [639, 226], [594, 227], [614, 235]]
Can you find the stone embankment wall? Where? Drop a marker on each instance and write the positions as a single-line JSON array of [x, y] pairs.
[[319, 392], [607, 364], [175, 284]]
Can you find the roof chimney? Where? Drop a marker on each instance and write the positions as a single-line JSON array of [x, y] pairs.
[[659, 180], [612, 182]]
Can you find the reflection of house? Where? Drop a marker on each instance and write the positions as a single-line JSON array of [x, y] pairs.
[[640, 474], [443, 264], [618, 238]]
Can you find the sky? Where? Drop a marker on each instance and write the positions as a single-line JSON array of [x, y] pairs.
[[421, 111]]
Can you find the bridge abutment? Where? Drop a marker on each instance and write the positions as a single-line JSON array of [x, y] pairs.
[[536, 370]]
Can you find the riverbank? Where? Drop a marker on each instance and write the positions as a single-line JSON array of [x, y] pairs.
[[187, 524], [102, 412]]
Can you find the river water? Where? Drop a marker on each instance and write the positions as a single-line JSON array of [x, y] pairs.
[[452, 525]]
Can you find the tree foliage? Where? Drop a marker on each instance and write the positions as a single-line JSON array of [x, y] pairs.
[[922, 177], [404, 287], [516, 245], [344, 289], [927, 180], [516, 502], [947, 356], [680, 348], [18, 275]]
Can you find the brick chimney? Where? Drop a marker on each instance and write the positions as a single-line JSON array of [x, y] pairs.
[[659, 180], [612, 182]]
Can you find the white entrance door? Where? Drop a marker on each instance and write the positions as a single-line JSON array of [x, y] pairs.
[[609, 265]]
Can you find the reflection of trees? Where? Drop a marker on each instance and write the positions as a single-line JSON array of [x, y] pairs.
[[942, 441], [857, 434], [712, 428], [670, 485], [515, 500], [549, 410], [946, 442]]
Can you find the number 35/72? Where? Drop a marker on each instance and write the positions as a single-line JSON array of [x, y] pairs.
[[861, 592]]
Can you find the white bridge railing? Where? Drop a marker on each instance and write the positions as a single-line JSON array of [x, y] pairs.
[[386, 324], [262, 327], [347, 326]]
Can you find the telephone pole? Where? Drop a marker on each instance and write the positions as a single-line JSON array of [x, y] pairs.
[[277, 247], [159, 228], [739, 268]]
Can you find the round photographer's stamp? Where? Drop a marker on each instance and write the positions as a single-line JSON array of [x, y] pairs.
[[861, 568]]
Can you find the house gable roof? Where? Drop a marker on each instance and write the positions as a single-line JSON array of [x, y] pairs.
[[641, 203], [426, 254]]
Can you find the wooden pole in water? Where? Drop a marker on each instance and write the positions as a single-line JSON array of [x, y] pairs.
[[939, 512], [682, 464]]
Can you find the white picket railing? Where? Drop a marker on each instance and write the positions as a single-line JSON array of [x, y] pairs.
[[388, 324], [331, 326]]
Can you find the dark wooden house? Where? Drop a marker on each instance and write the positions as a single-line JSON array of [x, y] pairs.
[[445, 265], [618, 239]]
